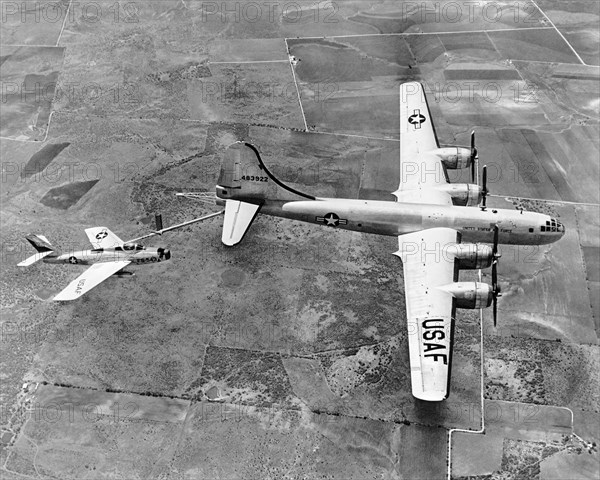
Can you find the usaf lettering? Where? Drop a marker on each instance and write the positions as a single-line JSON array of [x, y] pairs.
[[79, 288], [433, 329]]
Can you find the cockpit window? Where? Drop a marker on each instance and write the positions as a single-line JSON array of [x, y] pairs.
[[133, 246]]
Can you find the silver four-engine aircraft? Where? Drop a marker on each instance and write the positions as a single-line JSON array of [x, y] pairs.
[[108, 256], [438, 225]]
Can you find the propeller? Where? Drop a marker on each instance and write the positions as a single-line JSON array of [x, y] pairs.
[[495, 254], [484, 189], [474, 156], [496, 290]]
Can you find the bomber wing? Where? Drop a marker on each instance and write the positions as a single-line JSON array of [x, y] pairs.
[[420, 169], [93, 276], [102, 237], [430, 308]]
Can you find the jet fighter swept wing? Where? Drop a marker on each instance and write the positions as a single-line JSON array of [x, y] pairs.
[[102, 237], [93, 276]]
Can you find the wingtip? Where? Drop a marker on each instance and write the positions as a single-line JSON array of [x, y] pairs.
[[431, 396], [58, 298]]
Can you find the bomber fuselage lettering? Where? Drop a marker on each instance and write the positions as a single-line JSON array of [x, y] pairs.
[[433, 329]]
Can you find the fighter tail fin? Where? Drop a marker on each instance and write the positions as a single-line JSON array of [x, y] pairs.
[[43, 247]]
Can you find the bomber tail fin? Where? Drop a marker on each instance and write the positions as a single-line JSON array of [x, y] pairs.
[[245, 184], [245, 177], [43, 247], [242, 176]]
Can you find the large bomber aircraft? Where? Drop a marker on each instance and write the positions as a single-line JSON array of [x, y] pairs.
[[108, 256], [440, 228]]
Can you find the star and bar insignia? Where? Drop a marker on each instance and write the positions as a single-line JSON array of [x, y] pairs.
[[332, 220], [417, 118]]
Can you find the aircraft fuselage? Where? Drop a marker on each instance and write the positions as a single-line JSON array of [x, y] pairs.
[[89, 257], [395, 218]]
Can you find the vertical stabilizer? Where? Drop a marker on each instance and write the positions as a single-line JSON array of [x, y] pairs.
[[43, 247], [242, 176], [40, 243], [246, 178]]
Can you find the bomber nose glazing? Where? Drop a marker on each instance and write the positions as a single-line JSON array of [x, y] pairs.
[[554, 226]]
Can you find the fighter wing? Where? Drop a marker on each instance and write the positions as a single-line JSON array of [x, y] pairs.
[[420, 169], [102, 237], [93, 276], [430, 309]]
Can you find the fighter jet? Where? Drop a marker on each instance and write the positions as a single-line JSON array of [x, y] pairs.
[[442, 228], [108, 256]]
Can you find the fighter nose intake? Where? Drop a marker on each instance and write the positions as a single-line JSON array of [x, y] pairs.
[[164, 252]]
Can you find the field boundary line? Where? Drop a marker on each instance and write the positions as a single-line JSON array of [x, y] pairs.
[[481, 386], [251, 61], [354, 135], [596, 67], [287, 49], [558, 31], [422, 33], [64, 23], [545, 200], [31, 45]]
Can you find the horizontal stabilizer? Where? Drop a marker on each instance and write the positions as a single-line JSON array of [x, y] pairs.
[[34, 258], [238, 217]]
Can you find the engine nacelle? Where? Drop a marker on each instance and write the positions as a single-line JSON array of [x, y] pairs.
[[471, 256], [454, 157], [471, 295], [462, 194]]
